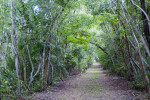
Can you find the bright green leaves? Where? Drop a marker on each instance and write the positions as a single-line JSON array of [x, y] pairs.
[[79, 22], [72, 39], [76, 27], [78, 40], [62, 2], [85, 21], [48, 34], [95, 7], [121, 32], [108, 17], [73, 4]]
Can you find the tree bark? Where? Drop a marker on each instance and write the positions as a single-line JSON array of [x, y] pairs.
[[45, 77], [52, 73], [99, 47], [15, 48], [139, 33], [24, 67], [137, 48], [145, 23], [0, 83], [147, 17]]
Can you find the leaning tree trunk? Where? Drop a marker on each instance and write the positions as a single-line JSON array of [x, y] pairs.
[[144, 14], [139, 33], [137, 48], [145, 23]]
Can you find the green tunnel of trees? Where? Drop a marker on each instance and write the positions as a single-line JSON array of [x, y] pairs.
[[44, 41]]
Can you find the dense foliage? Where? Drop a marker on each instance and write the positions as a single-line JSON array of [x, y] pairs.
[[43, 41]]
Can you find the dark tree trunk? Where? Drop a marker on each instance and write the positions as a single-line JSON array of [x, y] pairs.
[[45, 78], [145, 23], [0, 87]]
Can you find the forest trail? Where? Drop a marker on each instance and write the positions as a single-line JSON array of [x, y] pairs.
[[94, 84]]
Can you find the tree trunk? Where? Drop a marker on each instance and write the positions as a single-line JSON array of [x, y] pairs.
[[14, 48], [145, 23], [36, 73], [0, 84], [45, 77], [24, 67], [52, 73], [143, 11], [24, 58], [137, 48], [32, 67]]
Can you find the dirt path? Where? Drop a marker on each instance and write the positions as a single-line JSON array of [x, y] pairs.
[[95, 84]]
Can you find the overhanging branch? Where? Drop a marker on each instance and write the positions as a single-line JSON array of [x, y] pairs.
[[99, 47]]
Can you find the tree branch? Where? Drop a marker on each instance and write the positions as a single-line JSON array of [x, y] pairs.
[[99, 47]]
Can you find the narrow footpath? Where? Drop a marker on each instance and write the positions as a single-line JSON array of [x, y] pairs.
[[94, 84]]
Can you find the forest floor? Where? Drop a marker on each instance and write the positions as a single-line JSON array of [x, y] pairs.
[[94, 84]]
